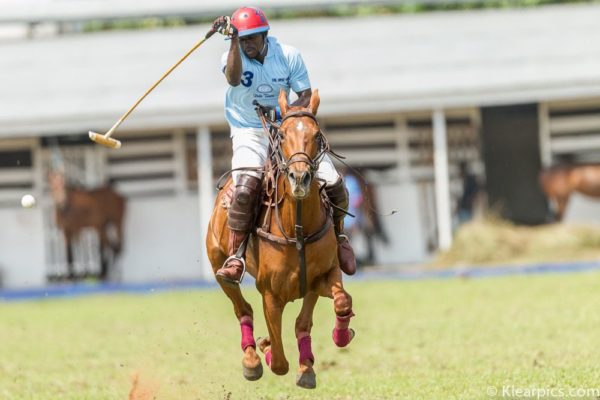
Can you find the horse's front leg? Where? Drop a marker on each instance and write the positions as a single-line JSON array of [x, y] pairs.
[[332, 287], [252, 367], [273, 346], [306, 375], [251, 364]]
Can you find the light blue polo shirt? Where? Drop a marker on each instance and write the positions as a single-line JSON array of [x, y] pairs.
[[283, 68]]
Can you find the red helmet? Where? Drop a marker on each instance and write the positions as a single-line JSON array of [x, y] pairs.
[[249, 20]]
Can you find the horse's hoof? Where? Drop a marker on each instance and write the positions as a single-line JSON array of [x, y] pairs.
[[251, 365], [253, 374], [280, 369], [263, 343], [306, 379]]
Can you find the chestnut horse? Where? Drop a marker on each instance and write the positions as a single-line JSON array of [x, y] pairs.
[[99, 209], [559, 182], [273, 252]]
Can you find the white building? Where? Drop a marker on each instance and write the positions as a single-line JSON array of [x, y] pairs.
[[403, 96]]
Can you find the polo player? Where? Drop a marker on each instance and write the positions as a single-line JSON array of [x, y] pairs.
[[256, 67]]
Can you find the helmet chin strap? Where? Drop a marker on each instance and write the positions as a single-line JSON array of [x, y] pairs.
[[263, 51]]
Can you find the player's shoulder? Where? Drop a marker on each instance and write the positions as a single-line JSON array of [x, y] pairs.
[[287, 51]]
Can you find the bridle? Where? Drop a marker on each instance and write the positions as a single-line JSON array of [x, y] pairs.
[[282, 163]]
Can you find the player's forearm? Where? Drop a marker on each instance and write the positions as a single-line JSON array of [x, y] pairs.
[[233, 71]]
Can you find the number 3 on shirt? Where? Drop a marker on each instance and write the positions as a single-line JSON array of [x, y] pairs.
[[248, 81]]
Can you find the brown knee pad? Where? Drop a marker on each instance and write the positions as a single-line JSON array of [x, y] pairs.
[[243, 205], [338, 194]]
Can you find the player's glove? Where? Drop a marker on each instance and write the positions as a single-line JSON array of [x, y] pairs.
[[224, 26], [274, 114], [271, 113]]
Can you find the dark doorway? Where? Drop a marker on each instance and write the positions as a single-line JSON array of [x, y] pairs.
[[511, 153]]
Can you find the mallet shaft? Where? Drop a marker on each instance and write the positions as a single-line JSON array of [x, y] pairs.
[[106, 138], [182, 59]]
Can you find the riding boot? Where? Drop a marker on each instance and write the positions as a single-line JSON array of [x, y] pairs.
[[338, 195], [241, 216]]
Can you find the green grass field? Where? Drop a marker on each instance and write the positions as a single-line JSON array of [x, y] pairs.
[[435, 339]]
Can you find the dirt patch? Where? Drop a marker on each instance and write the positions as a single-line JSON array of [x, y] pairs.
[[142, 388]]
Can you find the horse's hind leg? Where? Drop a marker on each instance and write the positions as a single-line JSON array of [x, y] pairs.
[[306, 375], [333, 288]]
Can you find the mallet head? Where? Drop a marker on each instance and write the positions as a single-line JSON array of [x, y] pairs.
[[105, 141]]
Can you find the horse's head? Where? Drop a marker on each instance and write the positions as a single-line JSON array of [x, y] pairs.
[[301, 143]]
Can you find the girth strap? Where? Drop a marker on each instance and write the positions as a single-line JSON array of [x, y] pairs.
[[313, 237]]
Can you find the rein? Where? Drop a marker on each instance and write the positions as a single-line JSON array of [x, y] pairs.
[[300, 247]]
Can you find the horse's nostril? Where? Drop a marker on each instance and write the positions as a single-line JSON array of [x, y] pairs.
[[300, 178], [306, 179]]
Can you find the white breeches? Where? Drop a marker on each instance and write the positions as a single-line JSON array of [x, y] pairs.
[[250, 148]]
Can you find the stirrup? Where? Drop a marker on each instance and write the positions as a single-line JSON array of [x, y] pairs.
[[241, 259], [343, 236]]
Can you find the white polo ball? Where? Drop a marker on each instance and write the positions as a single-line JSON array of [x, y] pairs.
[[27, 201]]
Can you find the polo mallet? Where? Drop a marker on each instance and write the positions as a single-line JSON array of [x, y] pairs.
[[106, 139]]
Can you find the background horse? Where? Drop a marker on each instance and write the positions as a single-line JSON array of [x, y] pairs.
[[271, 256], [101, 209], [559, 182]]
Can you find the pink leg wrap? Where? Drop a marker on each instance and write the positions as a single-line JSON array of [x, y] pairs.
[[247, 332], [341, 333], [304, 346], [268, 357]]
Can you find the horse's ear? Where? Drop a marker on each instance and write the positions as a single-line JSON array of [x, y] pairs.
[[283, 103], [315, 100]]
